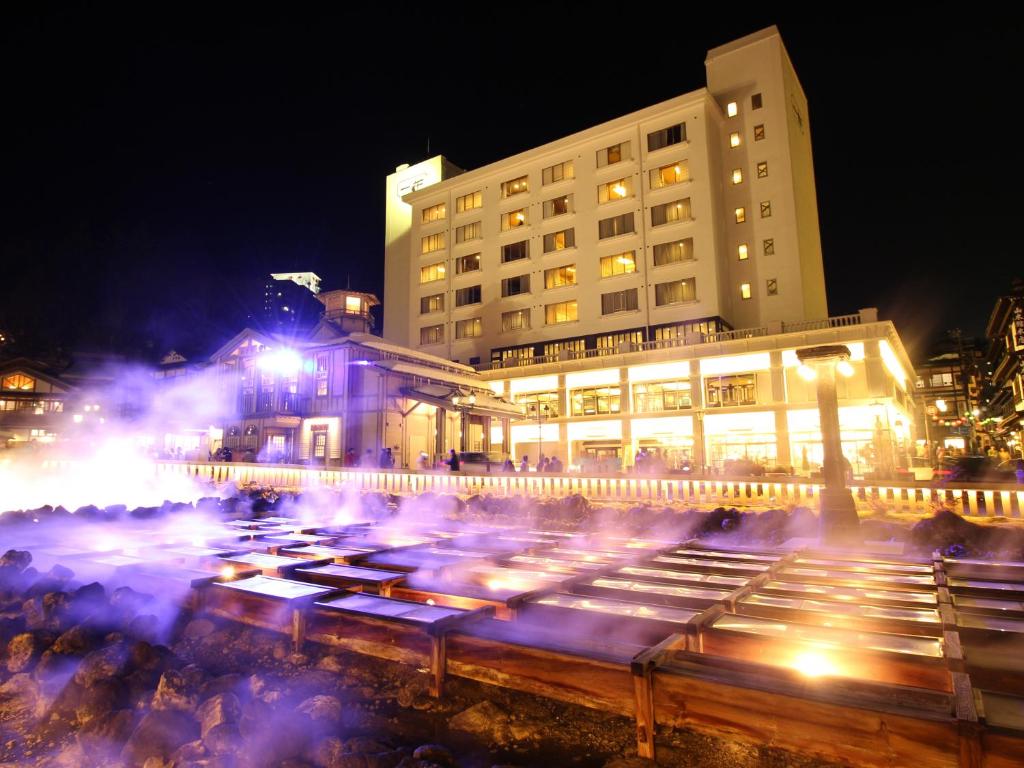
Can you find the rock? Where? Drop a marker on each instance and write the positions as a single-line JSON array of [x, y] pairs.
[[97, 736], [23, 652], [103, 664], [145, 626], [434, 753], [189, 754], [77, 641], [364, 745], [99, 699], [155, 762], [223, 739], [389, 759], [127, 602], [55, 669], [197, 629], [323, 712], [229, 683], [222, 709], [486, 720], [159, 734], [331, 664], [20, 699], [179, 689], [16, 559]]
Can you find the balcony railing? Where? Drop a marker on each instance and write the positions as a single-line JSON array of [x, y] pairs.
[[270, 402], [840, 321]]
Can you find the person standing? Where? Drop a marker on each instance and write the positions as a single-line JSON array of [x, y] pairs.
[[453, 460], [524, 465]]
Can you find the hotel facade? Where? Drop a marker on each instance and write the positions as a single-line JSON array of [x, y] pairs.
[[641, 287]]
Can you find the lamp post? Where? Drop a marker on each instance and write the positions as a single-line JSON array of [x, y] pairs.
[[839, 523], [542, 410]]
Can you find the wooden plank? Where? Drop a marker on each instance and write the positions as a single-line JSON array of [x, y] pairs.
[[644, 693], [591, 683], [833, 732], [438, 664]]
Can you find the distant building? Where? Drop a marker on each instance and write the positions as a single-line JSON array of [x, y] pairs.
[[947, 390], [289, 302], [38, 405], [1004, 365], [338, 391]]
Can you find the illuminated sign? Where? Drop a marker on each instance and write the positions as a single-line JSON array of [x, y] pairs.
[[1018, 328]]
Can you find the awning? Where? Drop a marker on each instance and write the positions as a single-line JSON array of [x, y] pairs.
[[433, 374], [441, 397]]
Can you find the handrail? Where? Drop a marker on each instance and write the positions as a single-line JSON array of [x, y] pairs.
[[840, 321]]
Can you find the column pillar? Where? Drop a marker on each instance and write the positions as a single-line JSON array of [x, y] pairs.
[[625, 410]]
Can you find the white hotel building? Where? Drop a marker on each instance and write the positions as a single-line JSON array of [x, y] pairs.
[[645, 283]]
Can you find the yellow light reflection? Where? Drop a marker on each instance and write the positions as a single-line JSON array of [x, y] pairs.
[[814, 664]]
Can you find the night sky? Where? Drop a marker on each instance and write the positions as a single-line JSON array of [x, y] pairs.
[[157, 167]]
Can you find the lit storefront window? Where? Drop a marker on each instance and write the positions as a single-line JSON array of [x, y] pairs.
[[734, 437], [727, 391], [658, 396], [588, 402]]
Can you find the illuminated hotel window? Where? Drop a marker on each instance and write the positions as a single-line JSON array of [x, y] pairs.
[[465, 296], [513, 219], [432, 243], [432, 272], [744, 290], [562, 312], [467, 329], [616, 225], [758, 132], [513, 286], [515, 251], [432, 334], [469, 202], [595, 400], [666, 137], [741, 215], [559, 172], [769, 246], [470, 263], [616, 153], [433, 213], [433, 303], [560, 276], [557, 241], [755, 101], [731, 109], [727, 391], [533, 403], [515, 353], [677, 210], [468, 232], [557, 206], [19, 382], [658, 396], [741, 251], [670, 253], [353, 304], [619, 301], [678, 331], [556, 347], [766, 209], [772, 287], [615, 190], [515, 187], [762, 170], [517, 320], [667, 175], [734, 139], [675, 292], [737, 176], [609, 343], [619, 264]]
